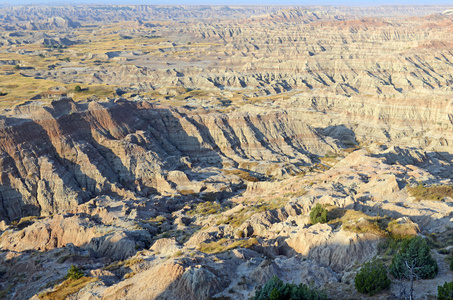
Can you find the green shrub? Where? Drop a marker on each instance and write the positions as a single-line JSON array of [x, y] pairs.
[[77, 88], [445, 292], [16, 67], [372, 278], [318, 214], [415, 252], [74, 273], [275, 289]]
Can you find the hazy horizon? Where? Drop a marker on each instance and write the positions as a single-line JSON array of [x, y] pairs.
[[223, 2]]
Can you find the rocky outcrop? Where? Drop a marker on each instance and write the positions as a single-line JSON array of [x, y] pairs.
[[56, 157], [336, 249], [50, 234], [172, 280], [52, 24]]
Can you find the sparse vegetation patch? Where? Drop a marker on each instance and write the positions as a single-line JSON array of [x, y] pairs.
[[206, 208], [435, 193], [67, 288], [224, 244], [241, 174]]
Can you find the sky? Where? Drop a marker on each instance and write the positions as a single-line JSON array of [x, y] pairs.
[[236, 2]]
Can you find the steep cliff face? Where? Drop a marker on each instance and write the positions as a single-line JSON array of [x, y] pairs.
[[55, 157], [422, 122]]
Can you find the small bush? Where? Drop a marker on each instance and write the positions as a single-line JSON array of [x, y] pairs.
[[74, 273], [416, 252], [372, 278], [77, 88], [445, 292], [16, 67], [275, 289], [318, 214]]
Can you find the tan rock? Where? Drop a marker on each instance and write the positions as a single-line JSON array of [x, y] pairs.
[[336, 249]]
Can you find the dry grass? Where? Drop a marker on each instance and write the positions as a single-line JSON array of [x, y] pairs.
[[158, 220], [206, 208], [16, 88], [365, 226], [295, 194], [68, 287], [401, 231], [248, 165], [190, 94], [236, 219], [99, 90], [382, 226], [270, 204], [261, 205], [186, 192], [435, 193], [281, 96], [241, 174], [225, 245], [349, 220], [129, 275], [328, 160], [178, 253], [20, 88], [123, 263]]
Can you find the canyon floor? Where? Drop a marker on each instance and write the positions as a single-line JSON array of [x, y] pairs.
[[175, 152]]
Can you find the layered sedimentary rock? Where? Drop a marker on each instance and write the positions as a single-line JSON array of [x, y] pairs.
[[220, 129], [56, 157]]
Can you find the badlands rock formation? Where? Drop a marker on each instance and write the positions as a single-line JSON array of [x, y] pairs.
[[188, 145]]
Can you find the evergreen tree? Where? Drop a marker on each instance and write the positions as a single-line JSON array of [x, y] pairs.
[[74, 273], [318, 214], [414, 254]]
